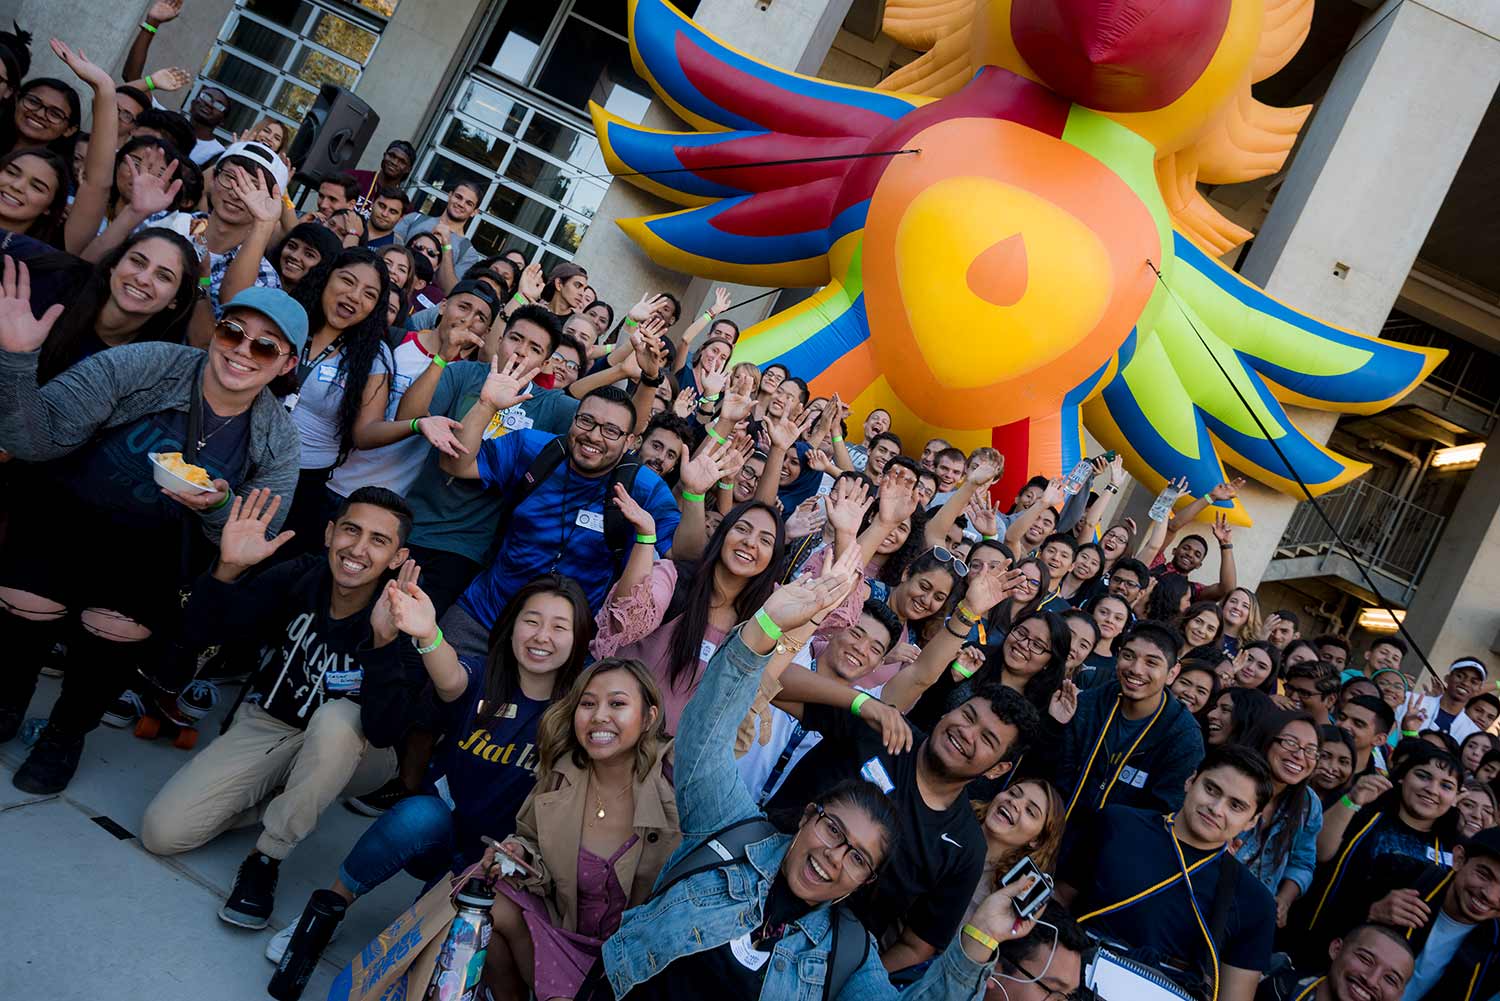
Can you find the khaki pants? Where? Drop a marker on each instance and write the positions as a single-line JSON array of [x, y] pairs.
[[229, 784]]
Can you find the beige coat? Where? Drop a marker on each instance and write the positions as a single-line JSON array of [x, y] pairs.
[[550, 825]]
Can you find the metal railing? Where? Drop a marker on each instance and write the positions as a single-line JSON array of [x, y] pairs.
[[1391, 536], [1468, 375]]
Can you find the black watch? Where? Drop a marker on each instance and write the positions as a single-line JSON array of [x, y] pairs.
[[653, 383]]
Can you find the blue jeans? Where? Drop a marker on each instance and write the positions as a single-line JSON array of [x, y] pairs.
[[415, 835]]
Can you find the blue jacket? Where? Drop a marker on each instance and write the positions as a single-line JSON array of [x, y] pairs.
[[1298, 863], [712, 908]]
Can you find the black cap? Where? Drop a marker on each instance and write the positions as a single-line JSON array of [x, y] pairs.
[[480, 291], [1486, 842]]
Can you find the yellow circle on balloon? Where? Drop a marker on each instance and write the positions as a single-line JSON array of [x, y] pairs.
[[1046, 276]]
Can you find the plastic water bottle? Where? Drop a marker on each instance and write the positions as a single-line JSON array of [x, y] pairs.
[[1078, 477], [460, 963], [1165, 500]]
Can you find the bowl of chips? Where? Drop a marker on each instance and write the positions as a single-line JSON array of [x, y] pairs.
[[173, 472]]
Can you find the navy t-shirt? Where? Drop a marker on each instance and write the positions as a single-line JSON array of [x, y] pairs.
[[1124, 851], [113, 474], [490, 766]]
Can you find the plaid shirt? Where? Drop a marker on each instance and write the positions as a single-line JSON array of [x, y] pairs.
[[218, 265]]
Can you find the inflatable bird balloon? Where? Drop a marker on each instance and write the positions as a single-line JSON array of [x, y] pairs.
[[1007, 235]]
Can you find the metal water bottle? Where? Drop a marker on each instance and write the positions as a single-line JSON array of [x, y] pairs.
[[1078, 477], [460, 963], [1164, 503]]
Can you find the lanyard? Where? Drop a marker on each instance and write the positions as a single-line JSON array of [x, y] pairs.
[[305, 367], [1213, 952], [1308, 990], [1429, 898], [1182, 874], [1108, 786], [1338, 868]]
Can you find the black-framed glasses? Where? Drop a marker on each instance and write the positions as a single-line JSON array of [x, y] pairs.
[[1291, 745], [262, 346], [586, 423], [944, 556], [35, 105], [125, 118], [1034, 978], [832, 835], [1293, 692], [1030, 643]]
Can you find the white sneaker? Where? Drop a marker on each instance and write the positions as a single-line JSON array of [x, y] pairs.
[[276, 948]]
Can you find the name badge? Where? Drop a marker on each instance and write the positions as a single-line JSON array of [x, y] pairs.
[[343, 681], [747, 955], [516, 420], [706, 651], [1133, 777], [874, 770], [1441, 858], [328, 373], [591, 520]]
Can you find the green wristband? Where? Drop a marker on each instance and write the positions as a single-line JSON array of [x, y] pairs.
[[725, 486], [837, 439], [228, 496], [1346, 801], [151, 28], [990, 538], [707, 317], [708, 399], [961, 671], [425, 650], [688, 495], [520, 300], [205, 282], [645, 540], [859, 701], [716, 436], [1411, 733], [767, 625], [149, 85], [414, 428], [631, 323], [440, 361]]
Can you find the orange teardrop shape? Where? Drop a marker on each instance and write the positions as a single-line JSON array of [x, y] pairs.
[[999, 275]]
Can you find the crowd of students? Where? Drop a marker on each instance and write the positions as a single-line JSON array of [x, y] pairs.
[[553, 585]]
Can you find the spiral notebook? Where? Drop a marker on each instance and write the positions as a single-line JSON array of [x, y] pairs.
[[1117, 978]]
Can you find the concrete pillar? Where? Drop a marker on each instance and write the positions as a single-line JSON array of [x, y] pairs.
[[1454, 612], [1366, 183], [794, 34]]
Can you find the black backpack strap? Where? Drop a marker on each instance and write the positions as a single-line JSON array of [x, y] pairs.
[[851, 946], [1218, 918], [619, 534], [716, 851], [548, 459]]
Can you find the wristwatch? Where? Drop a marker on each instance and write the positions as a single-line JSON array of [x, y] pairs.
[[653, 382]]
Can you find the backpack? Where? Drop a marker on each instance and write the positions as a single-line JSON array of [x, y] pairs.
[[851, 942], [619, 535]]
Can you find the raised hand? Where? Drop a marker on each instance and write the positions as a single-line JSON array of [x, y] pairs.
[[808, 599], [898, 499], [982, 515], [970, 659], [685, 403], [411, 610], [504, 388], [20, 331], [442, 434], [784, 431], [383, 613], [721, 302], [170, 78], [641, 311], [701, 473], [1222, 531], [162, 11], [639, 518], [996, 914], [713, 378], [81, 67], [249, 187], [822, 462], [1055, 493], [1432, 685], [243, 542], [1370, 787], [808, 518], [1224, 491], [1269, 625], [847, 503], [887, 721], [1117, 469], [739, 398], [986, 590], [151, 190], [458, 342], [739, 453], [1412, 716], [984, 473], [531, 282], [1064, 703]]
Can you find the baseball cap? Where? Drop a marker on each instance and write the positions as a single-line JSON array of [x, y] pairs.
[[278, 307], [1472, 663], [1486, 842], [262, 155], [478, 290]]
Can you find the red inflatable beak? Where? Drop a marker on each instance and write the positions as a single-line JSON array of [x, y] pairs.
[[1119, 55]]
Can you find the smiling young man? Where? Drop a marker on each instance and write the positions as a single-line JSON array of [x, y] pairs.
[[666, 440], [1383, 654], [1445, 713], [931, 875], [458, 252], [1131, 743], [394, 171], [1368, 720], [1372, 962], [90, 432], [207, 113], [320, 712], [877, 423], [1126, 853]]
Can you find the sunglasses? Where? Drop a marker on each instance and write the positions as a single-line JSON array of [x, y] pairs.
[[262, 347], [944, 556]]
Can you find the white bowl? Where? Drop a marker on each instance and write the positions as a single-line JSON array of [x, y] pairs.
[[166, 478]]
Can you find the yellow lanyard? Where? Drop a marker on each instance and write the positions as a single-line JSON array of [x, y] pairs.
[[1148, 891], [1434, 892], [1083, 779], [1307, 991], [1338, 868]]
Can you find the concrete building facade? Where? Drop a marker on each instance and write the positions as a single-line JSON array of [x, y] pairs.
[[1380, 221]]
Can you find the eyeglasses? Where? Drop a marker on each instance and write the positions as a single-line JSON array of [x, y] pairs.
[[35, 105], [944, 556], [571, 366], [213, 102], [263, 346], [586, 423], [125, 118], [1034, 978], [832, 834], [1031, 643], [1126, 584], [1294, 692], [1291, 745]]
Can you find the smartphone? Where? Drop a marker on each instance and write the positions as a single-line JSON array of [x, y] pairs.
[[1033, 900]]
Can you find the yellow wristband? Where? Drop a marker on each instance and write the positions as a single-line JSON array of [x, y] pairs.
[[989, 942]]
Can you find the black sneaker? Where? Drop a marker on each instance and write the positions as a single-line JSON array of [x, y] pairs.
[[10, 723], [373, 804], [249, 903], [50, 766], [124, 711]]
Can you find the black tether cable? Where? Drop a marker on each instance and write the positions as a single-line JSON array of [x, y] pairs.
[[753, 164], [1348, 549]]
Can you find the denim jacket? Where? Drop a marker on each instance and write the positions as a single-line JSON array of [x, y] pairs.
[[1298, 863], [712, 908]]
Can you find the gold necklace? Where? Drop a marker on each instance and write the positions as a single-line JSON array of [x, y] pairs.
[[598, 801]]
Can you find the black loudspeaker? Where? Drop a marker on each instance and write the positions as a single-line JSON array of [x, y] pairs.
[[333, 135]]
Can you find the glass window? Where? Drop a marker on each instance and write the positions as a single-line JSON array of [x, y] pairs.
[[240, 75], [569, 233], [587, 64], [293, 101], [290, 13], [512, 47], [474, 144], [492, 108], [512, 205], [266, 44], [442, 173], [318, 68], [343, 37]]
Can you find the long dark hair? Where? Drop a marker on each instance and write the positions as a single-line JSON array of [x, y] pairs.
[[47, 227], [927, 563], [1040, 687], [362, 342], [87, 299], [1166, 598], [916, 542], [1290, 808], [1248, 706], [1003, 616], [1087, 585], [62, 145], [1328, 732], [316, 235], [502, 674], [690, 603]]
